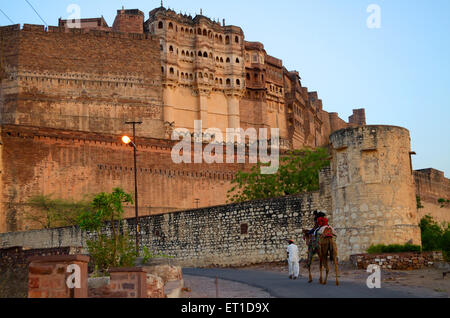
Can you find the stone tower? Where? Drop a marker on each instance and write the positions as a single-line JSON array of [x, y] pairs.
[[373, 195]]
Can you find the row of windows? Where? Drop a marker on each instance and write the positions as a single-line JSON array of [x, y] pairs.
[[199, 31], [202, 54], [190, 76]]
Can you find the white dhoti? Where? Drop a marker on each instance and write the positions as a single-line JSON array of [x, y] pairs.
[[293, 260], [294, 268]]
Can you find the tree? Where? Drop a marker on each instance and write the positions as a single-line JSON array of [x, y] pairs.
[[114, 251], [298, 172], [50, 213], [435, 237]]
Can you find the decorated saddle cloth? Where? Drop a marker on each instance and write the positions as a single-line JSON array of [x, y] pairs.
[[327, 231]]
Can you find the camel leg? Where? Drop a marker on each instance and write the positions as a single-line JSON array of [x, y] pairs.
[[309, 265], [336, 266], [320, 265], [310, 276], [327, 269]]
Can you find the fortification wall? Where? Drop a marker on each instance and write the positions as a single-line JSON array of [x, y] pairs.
[[81, 80], [70, 165], [372, 188], [432, 185], [235, 234]]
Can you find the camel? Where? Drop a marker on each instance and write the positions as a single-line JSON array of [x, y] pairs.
[[323, 247]]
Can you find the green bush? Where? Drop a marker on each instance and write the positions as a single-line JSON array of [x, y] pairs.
[[106, 252], [435, 237], [116, 250], [393, 248]]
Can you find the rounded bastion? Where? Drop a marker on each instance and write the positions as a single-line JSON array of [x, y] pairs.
[[373, 194]]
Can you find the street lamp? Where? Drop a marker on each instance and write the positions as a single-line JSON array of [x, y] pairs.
[[127, 140]]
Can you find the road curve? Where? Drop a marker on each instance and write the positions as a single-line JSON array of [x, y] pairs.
[[280, 286]]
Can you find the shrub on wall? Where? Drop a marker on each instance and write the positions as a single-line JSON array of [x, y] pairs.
[[435, 237], [393, 248], [105, 251]]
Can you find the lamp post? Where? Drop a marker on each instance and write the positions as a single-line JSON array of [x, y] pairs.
[[126, 140]]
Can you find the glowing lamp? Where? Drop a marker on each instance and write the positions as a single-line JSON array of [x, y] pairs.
[[126, 140]]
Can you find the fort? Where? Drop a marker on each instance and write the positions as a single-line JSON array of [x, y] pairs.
[[66, 93]]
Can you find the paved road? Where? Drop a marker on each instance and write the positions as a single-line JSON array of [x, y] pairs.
[[280, 286]]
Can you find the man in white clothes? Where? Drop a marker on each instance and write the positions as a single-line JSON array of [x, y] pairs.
[[293, 259]]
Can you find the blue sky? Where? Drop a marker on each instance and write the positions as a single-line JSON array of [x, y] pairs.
[[400, 72]]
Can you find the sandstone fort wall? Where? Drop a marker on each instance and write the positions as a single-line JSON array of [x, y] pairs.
[[71, 165], [235, 234]]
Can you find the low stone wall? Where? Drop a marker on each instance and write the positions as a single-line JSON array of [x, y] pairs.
[[14, 263], [400, 261], [236, 234]]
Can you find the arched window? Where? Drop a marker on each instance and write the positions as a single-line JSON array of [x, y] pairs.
[[200, 75], [160, 25], [170, 26], [220, 39], [205, 54], [238, 82], [227, 40], [216, 37], [171, 70], [228, 60], [161, 47], [228, 82], [209, 34], [220, 81], [199, 31], [256, 77], [262, 77], [192, 54], [205, 33], [190, 76], [182, 29], [247, 58], [236, 39], [237, 60], [182, 74], [210, 55], [217, 59], [171, 48], [211, 77], [162, 69], [221, 60], [182, 52], [248, 76], [200, 53]]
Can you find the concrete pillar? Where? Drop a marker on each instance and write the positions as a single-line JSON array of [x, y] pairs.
[[373, 194]]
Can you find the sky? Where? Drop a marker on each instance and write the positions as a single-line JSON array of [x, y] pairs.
[[398, 71]]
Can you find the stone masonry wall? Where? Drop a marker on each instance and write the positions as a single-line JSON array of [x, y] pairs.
[[399, 261], [71, 165], [432, 185], [80, 80], [234, 234]]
